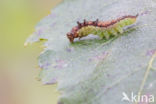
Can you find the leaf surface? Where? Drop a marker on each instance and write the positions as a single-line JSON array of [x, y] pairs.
[[94, 71]]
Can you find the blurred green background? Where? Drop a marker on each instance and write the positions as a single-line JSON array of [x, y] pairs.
[[18, 64]]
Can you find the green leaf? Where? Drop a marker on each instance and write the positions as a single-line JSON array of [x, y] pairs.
[[95, 71]]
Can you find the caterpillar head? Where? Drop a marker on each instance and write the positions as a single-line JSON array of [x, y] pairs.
[[73, 34], [70, 36]]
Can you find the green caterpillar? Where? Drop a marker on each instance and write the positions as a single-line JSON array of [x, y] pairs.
[[100, 28]]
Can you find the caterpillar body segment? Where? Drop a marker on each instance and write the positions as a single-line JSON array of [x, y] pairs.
[[100, 28]]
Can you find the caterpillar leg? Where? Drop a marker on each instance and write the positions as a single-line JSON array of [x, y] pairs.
[[80, 37], [101, 35], [105, 34], [119, 29], [113, 32]]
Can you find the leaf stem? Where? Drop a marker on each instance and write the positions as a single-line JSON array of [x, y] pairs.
[[146, 74]]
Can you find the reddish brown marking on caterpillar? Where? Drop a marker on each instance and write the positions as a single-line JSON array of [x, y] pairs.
[[73, 33]]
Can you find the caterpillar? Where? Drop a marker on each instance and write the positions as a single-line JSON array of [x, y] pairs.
[[104, 29]]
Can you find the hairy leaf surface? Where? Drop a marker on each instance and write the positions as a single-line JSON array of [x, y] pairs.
[[95, 71]]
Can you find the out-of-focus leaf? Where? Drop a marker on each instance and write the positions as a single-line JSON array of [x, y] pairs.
[[94, 71]]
